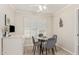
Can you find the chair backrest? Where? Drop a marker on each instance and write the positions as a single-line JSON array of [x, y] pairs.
[[55, 37], [33, 40], [50, 43]]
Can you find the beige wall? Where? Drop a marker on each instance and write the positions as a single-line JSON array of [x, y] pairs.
[[67, 35]]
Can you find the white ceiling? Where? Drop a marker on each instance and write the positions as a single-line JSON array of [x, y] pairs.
[[51, 8]]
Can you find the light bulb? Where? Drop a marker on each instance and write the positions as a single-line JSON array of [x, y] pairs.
[[44, 7], [40, 8]]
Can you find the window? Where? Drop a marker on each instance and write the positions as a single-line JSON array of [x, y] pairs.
[[32, 27]]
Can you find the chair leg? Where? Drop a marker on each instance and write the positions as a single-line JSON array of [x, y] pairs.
[[55, 48], [38, 49], [34, 49], [53, 52], [42, 50], [46, 51]]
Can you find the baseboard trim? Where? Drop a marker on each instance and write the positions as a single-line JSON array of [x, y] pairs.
[[65, 50]]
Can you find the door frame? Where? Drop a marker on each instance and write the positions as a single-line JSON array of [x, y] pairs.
[[77, 33]]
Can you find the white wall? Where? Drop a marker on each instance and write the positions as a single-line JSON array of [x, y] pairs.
[[23, 18], [67, 35], [10, 12]]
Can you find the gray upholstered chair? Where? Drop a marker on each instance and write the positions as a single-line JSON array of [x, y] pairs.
[[55, 37], [35, 44], [50, 44]]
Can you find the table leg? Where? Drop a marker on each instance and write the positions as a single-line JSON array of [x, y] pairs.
[[42, 50]]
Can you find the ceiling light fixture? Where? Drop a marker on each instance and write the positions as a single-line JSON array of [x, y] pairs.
[[42, 8]]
